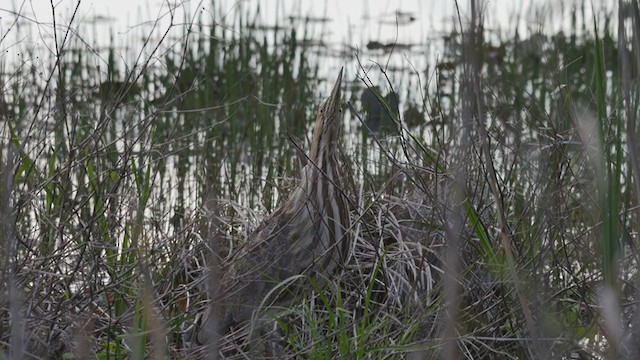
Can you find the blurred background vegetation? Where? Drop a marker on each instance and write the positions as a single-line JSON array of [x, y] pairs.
[[495, 190]]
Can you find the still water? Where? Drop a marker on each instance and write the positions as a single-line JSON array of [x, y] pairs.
[[364, 27]]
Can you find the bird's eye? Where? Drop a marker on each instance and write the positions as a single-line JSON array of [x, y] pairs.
[[321, 111]]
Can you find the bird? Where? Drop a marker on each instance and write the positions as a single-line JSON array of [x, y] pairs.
[[308, 235]]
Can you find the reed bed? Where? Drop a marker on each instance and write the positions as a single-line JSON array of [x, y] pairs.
[[493, 203]]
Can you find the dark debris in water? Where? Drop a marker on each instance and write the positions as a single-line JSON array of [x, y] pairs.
[[310, 19], [387, 47]]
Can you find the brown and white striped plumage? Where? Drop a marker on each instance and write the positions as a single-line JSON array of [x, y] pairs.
[[307, 235]]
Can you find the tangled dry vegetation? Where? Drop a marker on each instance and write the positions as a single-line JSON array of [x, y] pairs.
[[392, 281], [495, 218]]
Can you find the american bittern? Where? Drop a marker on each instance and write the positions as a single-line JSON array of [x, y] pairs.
[[307, 235]]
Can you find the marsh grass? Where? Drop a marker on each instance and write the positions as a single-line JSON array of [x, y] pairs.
[[494, 216]]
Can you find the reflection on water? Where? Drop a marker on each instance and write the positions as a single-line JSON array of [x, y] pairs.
[[380, 110]]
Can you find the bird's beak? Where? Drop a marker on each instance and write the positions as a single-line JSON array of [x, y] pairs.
[[334, 98]]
